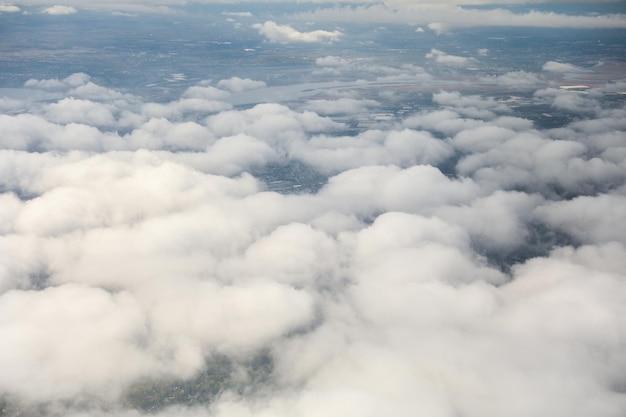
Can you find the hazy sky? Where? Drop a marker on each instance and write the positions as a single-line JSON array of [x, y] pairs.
[[445, 14]]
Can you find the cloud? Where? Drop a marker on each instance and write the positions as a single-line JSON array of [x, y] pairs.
[[438, 27], [340, 106], [74, 80], [578, 217], [475, 107], [238, 14], [569, 100], [151, 234], [441, 17], [57, 10], [403, 148], [553, 66], [334, 66], [331, 61], [9, 8], [441, 57], [517, 79], [236, 84], [71, 110], [286, 34]]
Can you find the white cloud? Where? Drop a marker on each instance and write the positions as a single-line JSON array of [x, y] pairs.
[[441, 57], [74, 80], [238, 14], [133, 232], [340, 106], [578, 217], [273, 123], [441, 17], [553, 66], [236, 84], [403, 148], [569, 100], [9, 8], [475, 107], [206, 92], [59, 10], [438, 27], [517, 79], [70, 110], [285, 34], [370, 69], [331, 61]]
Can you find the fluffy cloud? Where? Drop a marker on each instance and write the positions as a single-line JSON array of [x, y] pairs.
[[578, 217], [517, 79], [472, 106], [59, 10], [553, 66], [377, 243], [238, 14], [441, 57], [570, 100], [441, 17], [286, 34], [147, 234], [236, 84], [340, 106], [334, 66], [331, 61], [74, 80], [8, 8], [332, 154]]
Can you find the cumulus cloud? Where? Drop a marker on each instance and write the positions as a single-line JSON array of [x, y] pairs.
[[59, 10], [8, 8], [441, 17], [236, 84], [152, 235], [578, 217], [370, 69], [72, 81], [286, 34], [569, 100], [553, 66], [441, 57], [473, 106], [382, 242], [340, 106], [331, 61], [238, 14], [516, 79], [438, 27]]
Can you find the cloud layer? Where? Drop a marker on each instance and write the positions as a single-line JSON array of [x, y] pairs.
[[439, 16], [57, 10], [457, 259], [442, 16], [286, 34]]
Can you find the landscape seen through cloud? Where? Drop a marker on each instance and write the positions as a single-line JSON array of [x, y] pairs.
[[245, 208]]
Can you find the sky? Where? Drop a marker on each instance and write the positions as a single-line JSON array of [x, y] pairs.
[[443, 13], [465, 257]]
